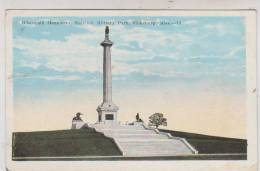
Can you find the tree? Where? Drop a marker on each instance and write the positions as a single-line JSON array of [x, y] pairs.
[[157, 119]]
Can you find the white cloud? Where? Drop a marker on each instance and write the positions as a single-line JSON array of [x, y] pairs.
[[220, 28], [32, 64], [49, 78], [191, 22], [62, 78], [233, 51], [71, 55], [83, 53], [45, 33]]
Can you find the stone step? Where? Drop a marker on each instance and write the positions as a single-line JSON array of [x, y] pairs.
[[156, 149], [125, 131], [144, 140], [118, 127], [135, 140], [154, 153], [173, 151], [136, 136], [153, 145]]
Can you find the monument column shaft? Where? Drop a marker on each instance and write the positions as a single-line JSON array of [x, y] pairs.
[[107, 75], [107, 111]]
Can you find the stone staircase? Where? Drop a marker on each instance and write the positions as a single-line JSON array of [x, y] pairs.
[[138, 140]]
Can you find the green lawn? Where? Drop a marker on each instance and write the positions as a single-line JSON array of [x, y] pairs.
[[211, 144], [84, 142]]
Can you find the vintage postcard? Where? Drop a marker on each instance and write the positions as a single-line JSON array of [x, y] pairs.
[[93, 89]]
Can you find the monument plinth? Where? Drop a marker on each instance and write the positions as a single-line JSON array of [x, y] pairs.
[[107, 111]]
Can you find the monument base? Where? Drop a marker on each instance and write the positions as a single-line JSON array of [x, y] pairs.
[[107, 117], [107, 113]]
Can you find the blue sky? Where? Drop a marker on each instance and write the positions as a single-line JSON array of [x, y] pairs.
[[197, 57], [198, 50]]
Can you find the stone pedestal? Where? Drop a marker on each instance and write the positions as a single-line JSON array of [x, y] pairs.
[[107, 113], [77, 124]]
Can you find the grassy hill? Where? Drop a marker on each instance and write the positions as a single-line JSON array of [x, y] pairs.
[[88, 142], [211, 144], [84, 142]]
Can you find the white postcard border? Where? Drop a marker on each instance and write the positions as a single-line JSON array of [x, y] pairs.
[[249, 164]]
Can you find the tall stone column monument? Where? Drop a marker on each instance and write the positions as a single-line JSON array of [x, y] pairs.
[[107, 111]]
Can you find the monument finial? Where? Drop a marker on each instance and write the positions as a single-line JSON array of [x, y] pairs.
[[107, 29], [107, 33]]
